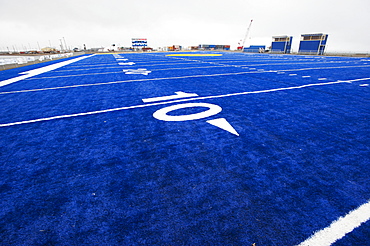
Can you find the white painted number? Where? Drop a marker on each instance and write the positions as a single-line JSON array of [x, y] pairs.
[[210, 110], [161, 114], [179, 94]]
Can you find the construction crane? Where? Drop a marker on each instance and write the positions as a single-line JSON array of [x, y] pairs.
[[245, 38]]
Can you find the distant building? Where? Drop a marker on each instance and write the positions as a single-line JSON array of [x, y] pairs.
[[281, 44], [213, 47], [174, 48], [147, 49], [313, 43], [96, 49], [111, 48], [49, 50]]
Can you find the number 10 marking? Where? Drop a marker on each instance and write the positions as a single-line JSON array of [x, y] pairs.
[[212, 109]]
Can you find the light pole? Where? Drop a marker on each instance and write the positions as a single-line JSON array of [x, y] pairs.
[[65, 44], [61, 45]]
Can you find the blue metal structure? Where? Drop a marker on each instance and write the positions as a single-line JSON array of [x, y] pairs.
[[281, 44], [313, 43], [255, 49]]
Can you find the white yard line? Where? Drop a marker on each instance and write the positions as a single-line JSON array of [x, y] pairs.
[[287, 70], [126, 81], [112, 66], [175, 101], [319, 68], [339, 228]]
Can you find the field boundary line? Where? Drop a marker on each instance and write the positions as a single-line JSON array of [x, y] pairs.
[[340, 227], [41, 70]]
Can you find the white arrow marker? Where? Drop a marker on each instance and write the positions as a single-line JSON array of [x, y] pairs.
[[126, 63], [142, 71], [224, 125]]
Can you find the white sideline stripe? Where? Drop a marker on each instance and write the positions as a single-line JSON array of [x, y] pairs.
[[90, 74], [126, 81], [184, 68], [110, 66], [37, 71], [279, 64], [289, 70], [168, 102], [339, 228], [315, 68], [76, 75], [161, 69], [140, 80]]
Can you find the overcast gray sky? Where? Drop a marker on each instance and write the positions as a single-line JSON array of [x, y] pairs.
[[100, 23]]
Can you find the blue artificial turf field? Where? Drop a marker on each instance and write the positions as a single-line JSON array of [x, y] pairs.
[[151, 149]]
